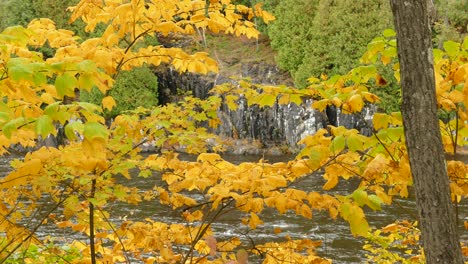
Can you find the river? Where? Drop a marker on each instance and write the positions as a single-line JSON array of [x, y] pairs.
[[338, 243]]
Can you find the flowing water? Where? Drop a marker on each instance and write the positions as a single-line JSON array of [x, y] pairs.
[[337, 242]]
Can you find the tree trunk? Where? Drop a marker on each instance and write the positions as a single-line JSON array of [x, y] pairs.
[[423, 141]]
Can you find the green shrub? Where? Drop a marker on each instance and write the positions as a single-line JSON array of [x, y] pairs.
[[328, 36], [134, 88]]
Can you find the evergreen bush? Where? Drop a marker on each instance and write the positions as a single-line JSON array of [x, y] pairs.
[[134, 88]]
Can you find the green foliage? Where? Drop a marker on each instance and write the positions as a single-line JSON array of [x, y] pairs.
[[134, 88], [395, 243], [451, 22], [16, 13], [21, 12], [290, 33], [268, 5], [83, 179], [48, 254], [455, 12], [386, 87], [315, 37]]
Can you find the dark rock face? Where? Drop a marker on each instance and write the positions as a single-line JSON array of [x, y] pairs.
[[361, 121], [171, 83], [265, 74], [273, 126], [277, 125]]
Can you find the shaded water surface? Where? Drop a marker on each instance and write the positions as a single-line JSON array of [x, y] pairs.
[[337, 242]]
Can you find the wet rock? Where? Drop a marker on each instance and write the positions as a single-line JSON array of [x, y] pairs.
[[279, 125]]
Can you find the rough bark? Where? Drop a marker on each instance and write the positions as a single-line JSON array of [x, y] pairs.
[[423, 140]]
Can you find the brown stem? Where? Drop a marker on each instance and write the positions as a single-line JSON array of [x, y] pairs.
[[456, 134], [31, 234], [383, 145], [91, 223], [202, 232]]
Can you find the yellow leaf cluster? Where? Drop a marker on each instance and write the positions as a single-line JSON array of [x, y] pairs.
[[295, 251], [396, 242]]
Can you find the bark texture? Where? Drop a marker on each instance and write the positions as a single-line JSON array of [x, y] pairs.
[[423, 141]]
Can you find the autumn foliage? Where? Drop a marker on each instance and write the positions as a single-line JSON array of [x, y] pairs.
[[75, 185]]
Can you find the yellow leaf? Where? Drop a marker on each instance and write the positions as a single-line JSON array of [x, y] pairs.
[[385, 60], [332, 181], [336, 101], [356, 103], [108, 103], [280, 203], [167, 27], [456, 96], [254, 221], [380, 120], [376, 167], [447, 104], [306, 211], [276, 181], [209, 157], [300, 168], [33, 166], [197, 67], [461, 75], [370, 97], [284, 99], [321, 105]]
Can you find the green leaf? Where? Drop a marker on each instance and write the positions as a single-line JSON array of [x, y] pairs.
[[50, 109], [355, 143], [44, 126], [380, 121], [65, 84], [389, 33], [374, 202], [267, 100], [395, 133], [338, 144], [200, 116], [315, 157], [365, 73], [345, 210], [57, 112], [438, 54], [463, 133], [465, 43], [355, 217], [58, 66], [145, 173], [358, 224], [87, 66], [90, 107], [5, 108], [390, 52], [360, 196], [21, 72], [295, 98], [12, 126], [39, 78], [93, 130], [451, 48], [17, 34], [73, 127], [231, 101], [119, 192], [4, 117], [86, 81]]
